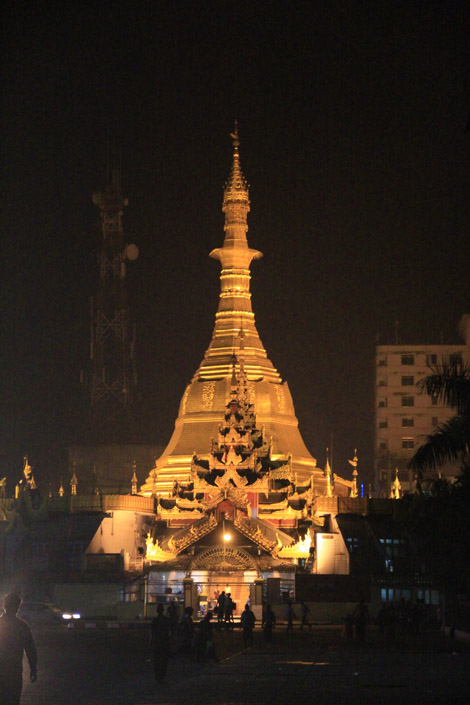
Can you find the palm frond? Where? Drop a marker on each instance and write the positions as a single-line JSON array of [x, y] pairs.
[[450, 382], [450, 442]]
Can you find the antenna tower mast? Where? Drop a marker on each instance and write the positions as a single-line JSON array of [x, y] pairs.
[[113, 376]]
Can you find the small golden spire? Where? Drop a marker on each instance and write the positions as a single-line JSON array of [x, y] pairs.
[[134, 479], [329, 489], [236, 187], [353, 493], [396, 487], [61, 490], [74, 481]]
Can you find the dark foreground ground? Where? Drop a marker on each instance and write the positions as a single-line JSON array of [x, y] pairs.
[[95, 667]]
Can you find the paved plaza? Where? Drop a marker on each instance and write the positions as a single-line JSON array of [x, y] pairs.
[[110, 666]]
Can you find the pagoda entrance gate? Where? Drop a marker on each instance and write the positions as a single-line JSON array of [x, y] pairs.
[[204, 586]]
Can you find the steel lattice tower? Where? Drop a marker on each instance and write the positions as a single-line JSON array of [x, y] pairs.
[[113, 376]]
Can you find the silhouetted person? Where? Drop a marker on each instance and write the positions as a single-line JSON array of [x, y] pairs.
[[187, 631], [269, 623], [228, 612], [15, 638], [247, 621], [290, 616], [361, 619], [221, 608], [172, 614], [204, 643], [305, 611], [160, 643]]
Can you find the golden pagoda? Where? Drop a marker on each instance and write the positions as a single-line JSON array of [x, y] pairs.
[[234, 338]]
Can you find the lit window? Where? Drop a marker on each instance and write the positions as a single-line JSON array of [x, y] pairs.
[[352, 543], [407, 401], [407, 421], [407, 380], [407, 359], [407, 443]]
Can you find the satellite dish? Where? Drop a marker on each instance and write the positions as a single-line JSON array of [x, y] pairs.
[[131, 252]]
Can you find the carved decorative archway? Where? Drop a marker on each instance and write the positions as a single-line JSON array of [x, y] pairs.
[[223, 559]]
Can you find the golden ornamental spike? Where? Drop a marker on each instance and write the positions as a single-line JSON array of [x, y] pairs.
[[134, 479], [396, 487], [73, 481], [353, 491], [329, 490]]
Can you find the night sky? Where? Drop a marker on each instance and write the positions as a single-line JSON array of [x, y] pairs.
[[352, 119]]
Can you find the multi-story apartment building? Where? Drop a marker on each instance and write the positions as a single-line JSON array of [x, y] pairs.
[[403, 415]]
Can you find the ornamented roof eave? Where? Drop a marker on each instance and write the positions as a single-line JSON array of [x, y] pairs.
[[300, 549], [288, 513]]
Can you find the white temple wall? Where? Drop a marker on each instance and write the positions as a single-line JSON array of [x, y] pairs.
[[121, 531], [331, 555]]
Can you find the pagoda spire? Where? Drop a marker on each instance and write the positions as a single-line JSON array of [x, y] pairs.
[[395, 491], [134, 480], [353, 492], [74, 480], [235, 368], [328, 473], [234, 313]]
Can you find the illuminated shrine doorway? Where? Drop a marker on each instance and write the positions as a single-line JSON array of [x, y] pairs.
[[210, 585], [229, 569]]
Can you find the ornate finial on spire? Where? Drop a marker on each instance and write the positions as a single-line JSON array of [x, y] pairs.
[[27, 469], [396, 487], [28, 481], [134, 479], [74, 481], [329, 489], [353, 493], [236, 188]]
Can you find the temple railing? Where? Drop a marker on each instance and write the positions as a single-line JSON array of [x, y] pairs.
[[102, 502]]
